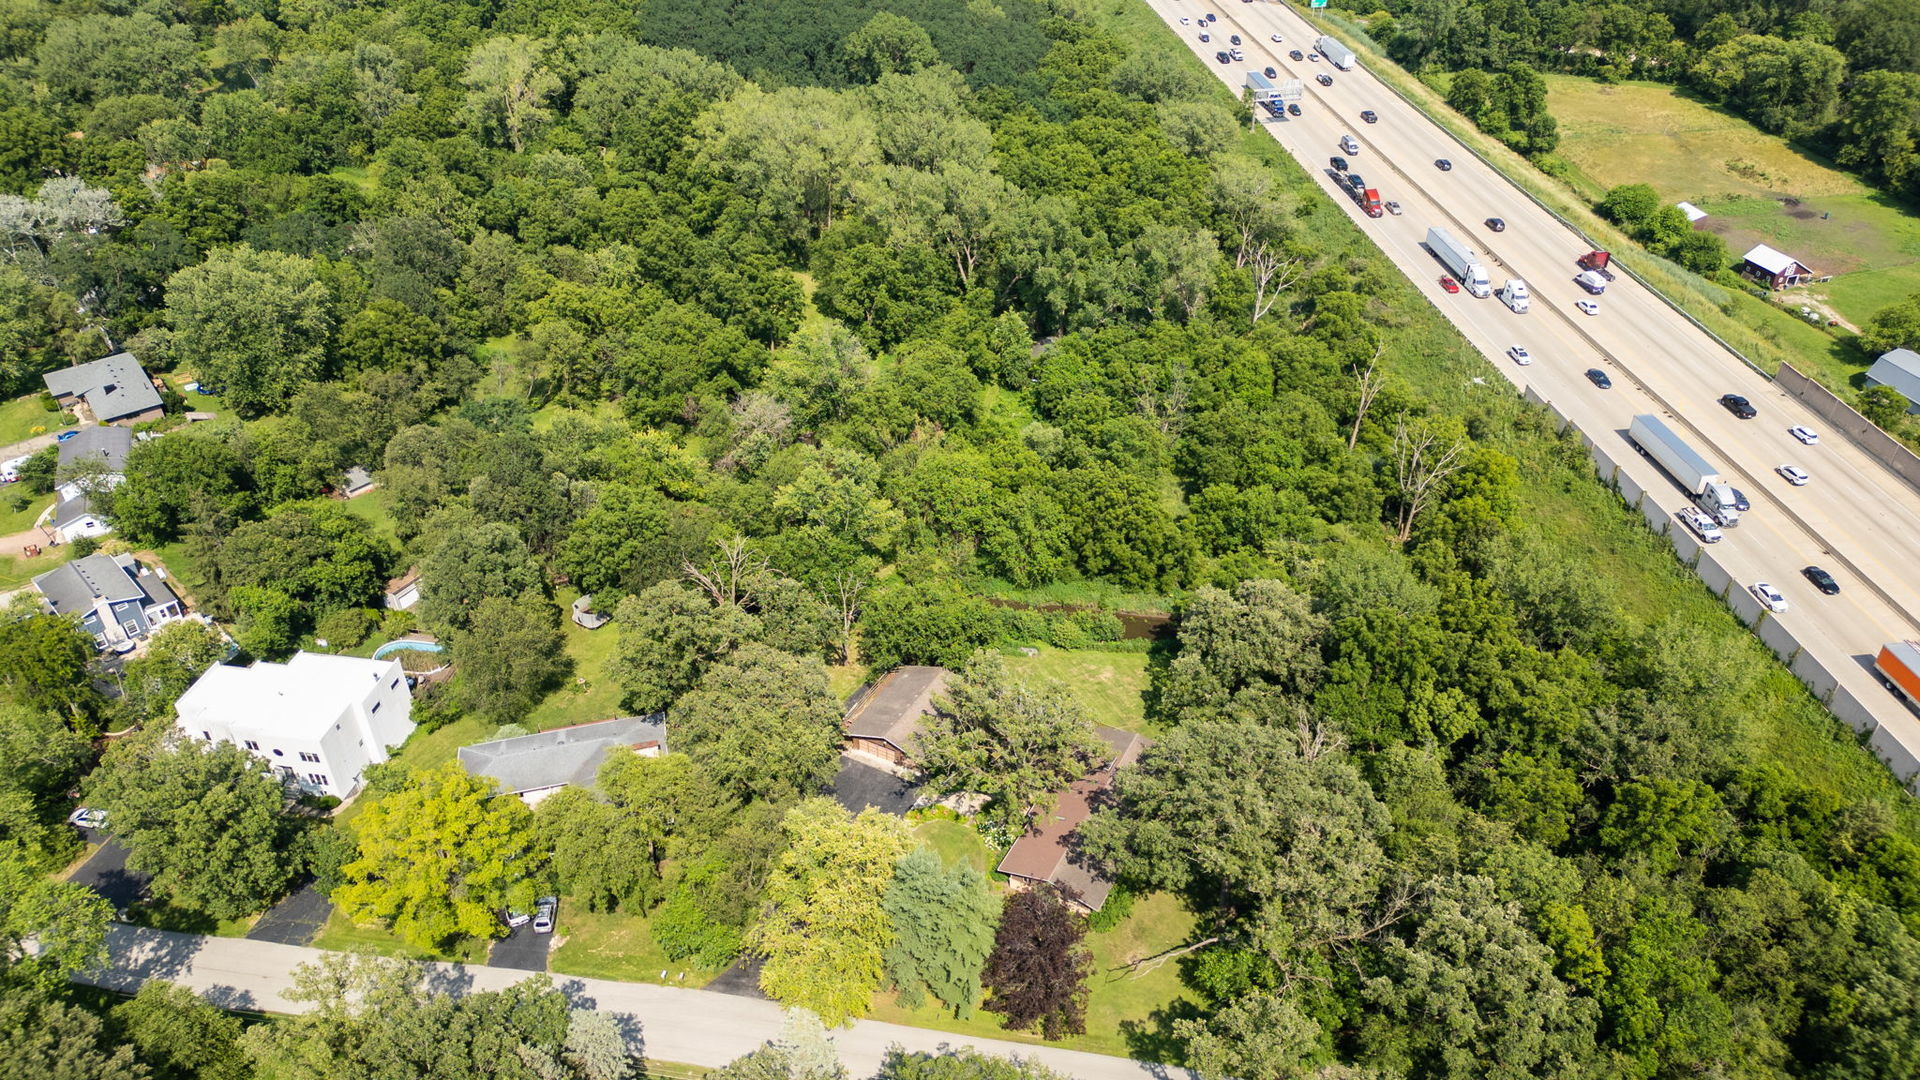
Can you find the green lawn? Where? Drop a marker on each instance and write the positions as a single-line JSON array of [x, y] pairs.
[[1126, 1014], [589, 693], [956, 843], [341, 935], [377, 507], [1110, 686], [19, 418], [844, 679], [13, 521], [618, 947], [18, 570]]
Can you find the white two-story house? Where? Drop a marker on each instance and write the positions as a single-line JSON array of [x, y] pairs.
[[318, 719]]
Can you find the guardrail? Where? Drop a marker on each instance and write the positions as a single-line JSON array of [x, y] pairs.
[[1329, 26]]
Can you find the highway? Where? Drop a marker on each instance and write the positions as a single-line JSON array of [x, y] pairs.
[[1856, 518]]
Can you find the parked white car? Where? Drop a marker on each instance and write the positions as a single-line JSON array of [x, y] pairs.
[[88, 818], [517, 919], [1702, 524], [1794, 475], [1769, 597], [543, 914], [1805, 434], [1520, 355]]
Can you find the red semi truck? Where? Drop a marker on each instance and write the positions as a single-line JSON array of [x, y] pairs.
[[1370, 202], [1899, 665], [1596, 261]]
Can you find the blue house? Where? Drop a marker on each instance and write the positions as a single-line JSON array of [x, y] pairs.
[[119, 601]]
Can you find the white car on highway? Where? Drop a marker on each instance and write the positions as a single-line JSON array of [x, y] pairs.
[[1587, 306], [1276, 39], [1702, 525], [1794, 475], [1185, 21], [1769, 596], [1805, 434], [1520, 355]]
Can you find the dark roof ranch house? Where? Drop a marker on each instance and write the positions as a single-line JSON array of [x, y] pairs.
[[1048, 851], [885, 721], [115, 389]]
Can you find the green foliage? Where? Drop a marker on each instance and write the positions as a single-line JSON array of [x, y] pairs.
[[176, 655], [670, 636], [958, 1063], [180, 1036], [253, 324], [43, 664], [943, 926], [1036, 976], [1895, 327], [439, 857], [826, 930], [40, 758], [762, 723], [43, 1036], [1005, 739], [927, 624], [609, 853], [204, 819], [509, 656]]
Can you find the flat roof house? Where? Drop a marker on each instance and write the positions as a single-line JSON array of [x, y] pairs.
[[885, 722], [1900, 370], [535, 766], [319, 720], [1048, 852], [115, 389], [1774, 269], [99, 453], [118, 600]]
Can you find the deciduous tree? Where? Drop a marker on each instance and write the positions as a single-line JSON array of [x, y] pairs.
[[763, 723], [825, 930], [943, 927], [1005, 739], [252, 324], [1036, 976]]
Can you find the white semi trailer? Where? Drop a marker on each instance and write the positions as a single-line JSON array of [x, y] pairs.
[[1460, 260], [1695, 474]]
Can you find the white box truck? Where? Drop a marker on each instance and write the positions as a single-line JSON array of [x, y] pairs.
[[1514, 294], [1460, 260], [1695, 474], [1337, 54]]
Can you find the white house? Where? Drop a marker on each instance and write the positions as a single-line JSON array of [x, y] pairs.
[[95, 457], [74, 518], [318, 719]]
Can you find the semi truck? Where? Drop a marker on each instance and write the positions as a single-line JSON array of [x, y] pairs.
[[1370, 202], [1514, 294], [1899, 666], [1596, 262], [1460, 260], [1695, 474], [1337, 54]]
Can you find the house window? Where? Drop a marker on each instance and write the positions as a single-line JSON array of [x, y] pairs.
[[304, 756], [252, 744], [394, 685], [375, 709], [277, 752], [317, 778], [207, 735]]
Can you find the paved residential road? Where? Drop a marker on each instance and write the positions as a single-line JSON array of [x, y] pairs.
[[675, 1024]]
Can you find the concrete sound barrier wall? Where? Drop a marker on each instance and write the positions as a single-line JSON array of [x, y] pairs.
[[1881, 446], [1774, 634], [1818, 679]]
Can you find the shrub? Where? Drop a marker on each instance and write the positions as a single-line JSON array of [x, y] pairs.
[[685, 932], [85, 546], [346, 628], [1119, 905]]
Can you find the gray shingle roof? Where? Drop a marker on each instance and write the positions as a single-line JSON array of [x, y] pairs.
[[113, 386], [1899, 369], [73, 587], [103, 441], [568, 755], [68, 511], [892, 710]]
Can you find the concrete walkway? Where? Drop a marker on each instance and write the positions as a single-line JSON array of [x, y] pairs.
[[30, 445], [674, 1024]]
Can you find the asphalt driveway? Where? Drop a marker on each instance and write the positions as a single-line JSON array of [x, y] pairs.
[[295, 920], [107, 873], [522, 950]]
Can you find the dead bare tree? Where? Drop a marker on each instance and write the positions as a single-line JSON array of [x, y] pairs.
[[844, 593], [1370, 382], [1274, 272], [1420, 467], [729, 577]]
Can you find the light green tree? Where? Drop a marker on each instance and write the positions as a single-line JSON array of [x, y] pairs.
[[439, 857], [509, 657], [508, 84], [825, 932], [670, 635], [887, 44]]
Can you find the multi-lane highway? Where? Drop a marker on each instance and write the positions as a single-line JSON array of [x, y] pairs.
[[1855, 518]]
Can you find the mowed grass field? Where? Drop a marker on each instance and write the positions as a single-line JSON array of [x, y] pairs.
[[1756, 188]]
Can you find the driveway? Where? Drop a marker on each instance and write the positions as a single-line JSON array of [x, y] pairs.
[[26, 447], [107, 874], [740, 980], [676, 1024], [521, 950], [858, 785], [295, 920]]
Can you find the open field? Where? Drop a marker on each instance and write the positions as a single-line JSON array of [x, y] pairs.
[[19, 417], [1756, 187]]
